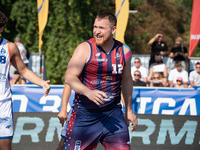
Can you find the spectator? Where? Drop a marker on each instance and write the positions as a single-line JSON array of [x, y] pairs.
[[179, 83], [18, 79], [156, 81], [179, 53], [22, 50], [160, 68], [158, 46], [137, 81], [178, 72], [138, 66], [195, 76]]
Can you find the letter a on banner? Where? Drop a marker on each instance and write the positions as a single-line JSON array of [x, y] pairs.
[[122, 14], [43, 8], [195, 27]]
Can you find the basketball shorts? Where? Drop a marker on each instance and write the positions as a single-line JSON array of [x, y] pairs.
[[6, 119], [86, 129]]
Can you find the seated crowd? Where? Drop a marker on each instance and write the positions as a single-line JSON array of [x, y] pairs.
[[158, 75]]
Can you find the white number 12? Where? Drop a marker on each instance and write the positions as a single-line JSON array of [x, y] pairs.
[[114, 68]]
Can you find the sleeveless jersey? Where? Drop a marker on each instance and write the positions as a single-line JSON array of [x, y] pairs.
[[5, 89], [102, 72]]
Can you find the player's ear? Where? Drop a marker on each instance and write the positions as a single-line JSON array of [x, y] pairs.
[[114, 29]]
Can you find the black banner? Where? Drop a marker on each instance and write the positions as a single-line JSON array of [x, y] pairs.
[[41, 131]]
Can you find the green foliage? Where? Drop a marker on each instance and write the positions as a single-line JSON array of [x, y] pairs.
[[70, 22], [154, 17]]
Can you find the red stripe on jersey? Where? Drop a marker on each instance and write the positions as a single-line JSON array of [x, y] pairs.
[[104, 70]]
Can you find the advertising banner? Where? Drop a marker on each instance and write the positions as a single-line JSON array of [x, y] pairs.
[[144, 101], [167, 118], [166, 101], [41, 131], [32, 99]]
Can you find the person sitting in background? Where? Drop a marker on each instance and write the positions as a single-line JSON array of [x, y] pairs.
[[179, 83], [195, 76], [157, 46], [160, 68], [137, 81], [178, 72], [179, 53], [156, 81], [138, 66], [22, 50], [18, 79]]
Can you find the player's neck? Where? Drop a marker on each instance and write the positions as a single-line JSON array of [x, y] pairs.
[[107, 47]]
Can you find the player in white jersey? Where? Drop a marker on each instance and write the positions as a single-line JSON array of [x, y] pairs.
[[9, 54]]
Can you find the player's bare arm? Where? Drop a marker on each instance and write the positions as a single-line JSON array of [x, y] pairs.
[[24, 71], [76, 64], [62, 116], [127, 87]]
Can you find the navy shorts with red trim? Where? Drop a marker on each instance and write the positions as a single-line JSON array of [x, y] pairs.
[[86, 129]]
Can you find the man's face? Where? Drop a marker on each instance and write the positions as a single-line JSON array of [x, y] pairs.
[[137, 75], [103, 31], [179, 68], [137, 63], [160, 38], [197, 68]]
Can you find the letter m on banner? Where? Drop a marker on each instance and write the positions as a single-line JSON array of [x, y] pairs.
[[195, 27], [43, 8]]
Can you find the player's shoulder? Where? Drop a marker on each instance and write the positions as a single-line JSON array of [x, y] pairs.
[[126, 48], [82, 51], [82, 47], [13, 48]]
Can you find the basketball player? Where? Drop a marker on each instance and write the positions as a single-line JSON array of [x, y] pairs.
[[98, 70], [9, 54], [64, 114]]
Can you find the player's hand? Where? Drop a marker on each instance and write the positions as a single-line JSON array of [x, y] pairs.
[[62, 116], [46, 87], [131, 118], [97, 96]]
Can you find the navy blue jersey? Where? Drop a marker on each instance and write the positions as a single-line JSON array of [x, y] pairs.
[[103, 72]]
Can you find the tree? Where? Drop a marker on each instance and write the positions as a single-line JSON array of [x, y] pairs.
[[157, 17], [70, 22]]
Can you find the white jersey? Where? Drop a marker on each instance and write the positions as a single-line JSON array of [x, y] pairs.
[[5, 89]]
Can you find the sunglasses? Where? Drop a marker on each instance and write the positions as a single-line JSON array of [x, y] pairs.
[[178, 81], [137, 75], [136, 62], [156, 77], [197, 67]]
